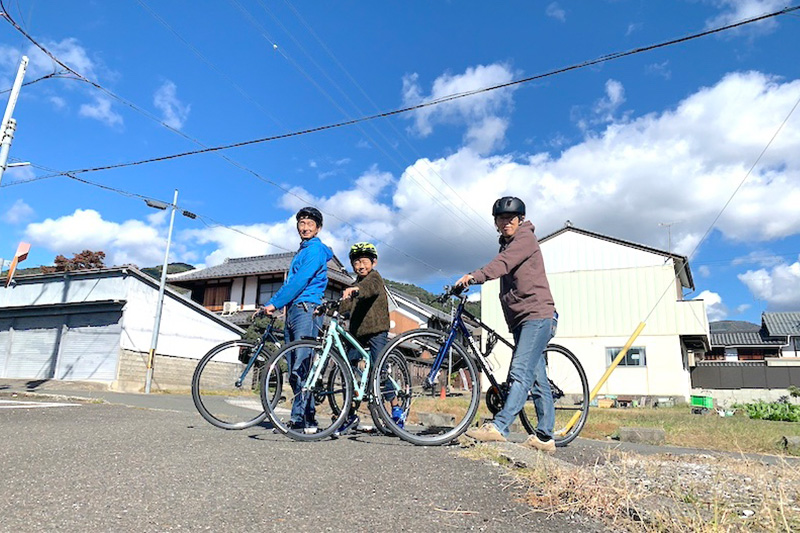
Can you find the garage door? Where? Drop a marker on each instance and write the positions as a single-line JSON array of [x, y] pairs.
[[34, 346], [90, 347]]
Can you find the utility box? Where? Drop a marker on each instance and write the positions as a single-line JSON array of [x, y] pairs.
[[702, 401]]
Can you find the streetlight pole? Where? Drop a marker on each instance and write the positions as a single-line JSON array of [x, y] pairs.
[[9, 124], [156, 326]]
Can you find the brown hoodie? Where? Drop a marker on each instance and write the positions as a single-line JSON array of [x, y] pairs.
[[524, 290], [369, 310]]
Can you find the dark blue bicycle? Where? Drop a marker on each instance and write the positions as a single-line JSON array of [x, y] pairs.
[[225, 385], [449, 370]]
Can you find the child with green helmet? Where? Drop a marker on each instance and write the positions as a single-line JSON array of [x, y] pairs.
[[368, 306]]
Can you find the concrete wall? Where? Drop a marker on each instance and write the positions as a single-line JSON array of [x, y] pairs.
[[169, 373]]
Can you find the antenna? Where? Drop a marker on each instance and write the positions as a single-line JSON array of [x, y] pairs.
[[669, 234]]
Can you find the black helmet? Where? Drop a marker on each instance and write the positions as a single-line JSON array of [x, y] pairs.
[[312, 213], [508, 205]]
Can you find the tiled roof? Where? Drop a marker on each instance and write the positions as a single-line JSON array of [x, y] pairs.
[[782, 323], [744, 338], [414, 300], [251, 266]]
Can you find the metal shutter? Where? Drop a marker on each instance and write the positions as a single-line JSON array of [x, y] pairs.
[[34, 347], [5, 344], [90, 347]]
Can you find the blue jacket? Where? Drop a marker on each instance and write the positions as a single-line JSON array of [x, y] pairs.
[[308, 275]]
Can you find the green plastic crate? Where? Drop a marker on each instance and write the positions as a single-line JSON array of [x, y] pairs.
[[702, 401]]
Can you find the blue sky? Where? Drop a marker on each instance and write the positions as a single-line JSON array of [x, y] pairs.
[[647, 148]]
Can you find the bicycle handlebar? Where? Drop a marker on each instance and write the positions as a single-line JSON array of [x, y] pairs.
[[449, 291]]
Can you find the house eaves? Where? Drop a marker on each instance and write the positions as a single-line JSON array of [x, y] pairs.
[[681, 262], [129, 270], [782, 324]]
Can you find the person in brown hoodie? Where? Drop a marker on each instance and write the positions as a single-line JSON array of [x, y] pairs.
[[531, 317]]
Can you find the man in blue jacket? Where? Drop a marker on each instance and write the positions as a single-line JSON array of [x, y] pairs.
[[301, 294]]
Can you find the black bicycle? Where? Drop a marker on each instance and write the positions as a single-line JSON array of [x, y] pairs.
[[225, 385], [445, 389]]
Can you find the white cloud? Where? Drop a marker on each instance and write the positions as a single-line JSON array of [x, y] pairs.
[[778, 286], [660, 69], [483, 113], [760, 257], [132, 241], [57, 101], [174, 113], [555, 11], [101, 110], [742, 308], [715, 309], [704, 271], [19, 212], [681, 164], [737, 10]]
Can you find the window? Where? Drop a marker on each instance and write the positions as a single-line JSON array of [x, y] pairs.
[[215, 295], [266, 290], [634, 357]]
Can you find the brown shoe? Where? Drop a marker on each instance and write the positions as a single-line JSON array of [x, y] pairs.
[[534, 442], [486, 433]]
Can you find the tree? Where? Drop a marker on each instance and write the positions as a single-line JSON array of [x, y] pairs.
[[85, 260]]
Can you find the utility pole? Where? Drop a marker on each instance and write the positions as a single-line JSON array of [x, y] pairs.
[[157, 325], [9, 124]]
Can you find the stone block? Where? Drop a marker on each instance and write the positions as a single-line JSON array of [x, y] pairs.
[[441, 420], [642, 435]]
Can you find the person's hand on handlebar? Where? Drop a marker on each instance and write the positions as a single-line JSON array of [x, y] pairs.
[[464, 281], [267, 310]]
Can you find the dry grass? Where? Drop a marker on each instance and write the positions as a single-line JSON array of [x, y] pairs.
[[664, 493], [736, 433]]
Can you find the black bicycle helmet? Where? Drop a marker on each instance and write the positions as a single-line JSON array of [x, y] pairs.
[[312, 213], [508, 205], [363, 249]]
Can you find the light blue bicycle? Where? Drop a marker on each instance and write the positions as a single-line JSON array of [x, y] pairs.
[[318, 395]]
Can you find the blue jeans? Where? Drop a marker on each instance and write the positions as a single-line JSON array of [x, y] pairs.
[[528, 373], [301, 322], [374, 344]]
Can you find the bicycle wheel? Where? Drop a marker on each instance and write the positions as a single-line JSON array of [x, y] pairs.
[[434, 413], [223, 394], [397, 377], [570, 395], [314, 415]]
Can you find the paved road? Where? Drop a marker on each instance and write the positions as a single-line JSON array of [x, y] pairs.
[[160, 467]]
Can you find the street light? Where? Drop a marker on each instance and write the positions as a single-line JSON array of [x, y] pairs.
[[156, 204]]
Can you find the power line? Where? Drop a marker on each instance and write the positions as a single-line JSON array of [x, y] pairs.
[[421, 105], [218, 71], [439, 198]]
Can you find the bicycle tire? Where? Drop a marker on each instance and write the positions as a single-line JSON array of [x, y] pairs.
[[400, 375], [279, 412], [217, 396], [570, 390], [429, 419]]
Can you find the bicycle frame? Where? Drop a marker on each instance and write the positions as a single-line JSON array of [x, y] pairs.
[[333, 338], [458, 326], [267, 336]]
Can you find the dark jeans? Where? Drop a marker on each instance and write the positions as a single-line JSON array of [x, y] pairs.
[[301, 322], [375, 344]]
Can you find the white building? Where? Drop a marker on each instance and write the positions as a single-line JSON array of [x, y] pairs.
[[603, 288], [96, 325]]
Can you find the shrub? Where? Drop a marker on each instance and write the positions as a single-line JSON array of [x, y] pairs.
[[778, 411]]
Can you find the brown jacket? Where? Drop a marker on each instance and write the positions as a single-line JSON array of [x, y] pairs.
[[369, 309], [524, 290]]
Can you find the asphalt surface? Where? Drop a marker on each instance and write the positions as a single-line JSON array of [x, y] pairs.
[[150, 463]]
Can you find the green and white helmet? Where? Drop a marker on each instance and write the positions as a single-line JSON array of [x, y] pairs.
[[363, 249]]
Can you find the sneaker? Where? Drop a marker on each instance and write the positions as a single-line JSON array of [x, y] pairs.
[[398, 416], [534, 442], [350, 423], [486, 433]]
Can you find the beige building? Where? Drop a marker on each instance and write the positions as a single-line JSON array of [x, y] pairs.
[[603, 288]]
